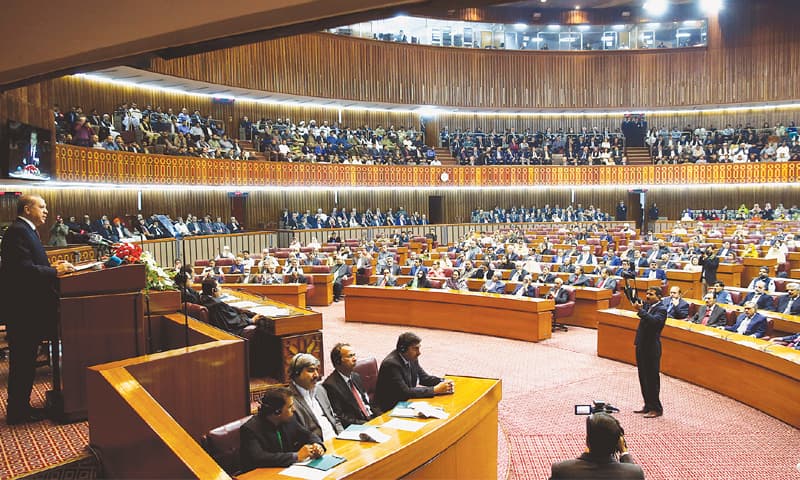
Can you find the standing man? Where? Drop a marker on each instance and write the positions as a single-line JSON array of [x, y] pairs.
[[28, 286], [652, 317], [341, 272], [401, 377], [622, 212], [345, 390]]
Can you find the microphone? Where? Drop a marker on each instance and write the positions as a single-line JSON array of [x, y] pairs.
[[98, 240]]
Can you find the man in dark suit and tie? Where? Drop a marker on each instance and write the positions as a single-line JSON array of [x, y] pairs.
[[30, 300], [401, 377], [710, 314], [789, 304], [606, 281], [345, 390], [760, 297], [750, 322], [558, 293], [652, 317], [676, 306]]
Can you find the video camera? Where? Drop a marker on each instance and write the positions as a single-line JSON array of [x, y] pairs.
[[630, 292], [597, 406]]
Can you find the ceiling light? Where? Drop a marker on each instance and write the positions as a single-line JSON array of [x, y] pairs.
[[584, 28], [554, 27], [520, 26], [710, 7], [656, 7], [577, 7]]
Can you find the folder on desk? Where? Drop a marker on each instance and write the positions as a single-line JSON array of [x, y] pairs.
[[363, 433], [417, 410], [325, 462]]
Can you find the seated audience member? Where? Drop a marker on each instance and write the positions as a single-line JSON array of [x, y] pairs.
[[420, 280], [759, 297], [625, 266], [267, 260], [750, 251], [213, 271], [558, 292], [586, 257], [312, 406], [579, 279], [710, 314], [789, 303], [269, 276], [225, 253], [401, 377], [274, 437], [518, 273], [750, 322], [763, 276], [293, 266], [234, 226], [386, 279], [546, 276], [791, 341], [345, 390], [456, 282], [693, 265], [654, 272], [495, 285], [296, 276], [416, 266], [526, 288], [606, 281], [722, 296], [436, 270], [238, 267], [341, 272], [182, 281], [606, 455], [676, 306], [220, 314]]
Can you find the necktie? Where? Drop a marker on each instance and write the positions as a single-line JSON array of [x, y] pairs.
[[743, 327], [789, 306], [705, 317], [357, 396]]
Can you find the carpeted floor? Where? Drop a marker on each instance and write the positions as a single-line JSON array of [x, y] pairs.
[[703, 435]]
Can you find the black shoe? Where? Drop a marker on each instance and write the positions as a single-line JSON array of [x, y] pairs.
[[33, 415], [643, 410]]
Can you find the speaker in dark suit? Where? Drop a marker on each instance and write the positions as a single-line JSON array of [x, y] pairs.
[[29, 299], [345, 390]]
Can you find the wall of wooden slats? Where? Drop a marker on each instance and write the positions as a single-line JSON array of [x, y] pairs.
[[752, 56]]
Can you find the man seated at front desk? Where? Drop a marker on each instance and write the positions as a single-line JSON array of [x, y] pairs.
[[578, 278], [750, 322], [557, 292], [518, 273], [345, 390], [722, 296], [274, 437], [676, 306], [386, 279], [220, 314], [456, 281], [654, 272], [526, 288], [312, 405], [789, 304], [710, 314], [546, 276], [791, 341], [606, 280], [495, 285], [420, 280], [760, 297], [269, 276], [401, 377]]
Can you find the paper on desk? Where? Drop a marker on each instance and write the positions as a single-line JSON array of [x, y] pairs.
[[86, 266], [270, 311], [363, 433], [405, 425], [301, 471], [418, 410], [243, 304]]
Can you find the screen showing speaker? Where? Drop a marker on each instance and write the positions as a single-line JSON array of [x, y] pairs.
[[30, 152]]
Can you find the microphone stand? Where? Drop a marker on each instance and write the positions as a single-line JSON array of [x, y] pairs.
[[185, 298]]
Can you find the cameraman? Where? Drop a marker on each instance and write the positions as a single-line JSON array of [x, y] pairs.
[[605, 438]]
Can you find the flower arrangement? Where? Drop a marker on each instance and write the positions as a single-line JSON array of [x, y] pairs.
[[156, 277]]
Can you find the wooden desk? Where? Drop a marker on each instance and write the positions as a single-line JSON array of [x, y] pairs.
[[322, 295], [505, 316], [793, 258], [730, 274], [752, 265], [750, 370], [588, 301], [689, 282], [463, 446], [300, 331], [291, 293], [74, 254], [782, 324]]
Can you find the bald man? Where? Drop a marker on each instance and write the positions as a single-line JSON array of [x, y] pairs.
[[29, 298]]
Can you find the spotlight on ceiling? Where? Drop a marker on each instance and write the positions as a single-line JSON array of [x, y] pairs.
[[710, 7], [656, 7], [520, 26]]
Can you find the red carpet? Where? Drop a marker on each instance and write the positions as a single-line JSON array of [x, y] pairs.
[[702, 435]]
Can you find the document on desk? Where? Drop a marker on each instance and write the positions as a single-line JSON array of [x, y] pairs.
[[417, 410], [270, 311], [244, 304], [405, 425], [302, 471], [363, 433], [86, 266]]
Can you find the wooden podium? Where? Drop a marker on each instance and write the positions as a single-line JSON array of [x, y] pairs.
[[100, 319]]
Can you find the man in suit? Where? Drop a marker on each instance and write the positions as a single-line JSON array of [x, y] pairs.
[[341, 272], [546, 276], [789, 304], [312, 406], [579, 279], [558, 292], [654, 272], [495, 285], [760, 297], [30, 301], [606, 455], [606, 281], [526, 288], [386, 279], [345, 390], [274, 437], [750, 322], [710, 314], [763, 276], [220, 314], [401, 377], [652, 317], [676, 306], [518, 273]]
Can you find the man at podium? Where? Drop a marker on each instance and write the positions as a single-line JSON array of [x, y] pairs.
[[28, 289]]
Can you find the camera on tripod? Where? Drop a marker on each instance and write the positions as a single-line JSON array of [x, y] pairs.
[[597, 406]]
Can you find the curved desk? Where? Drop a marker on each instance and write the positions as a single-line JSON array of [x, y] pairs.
[[753, 371], [462, 446], [520, 318]]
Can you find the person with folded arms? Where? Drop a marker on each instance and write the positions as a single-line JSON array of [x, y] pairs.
[[274, 437], [401, 377]]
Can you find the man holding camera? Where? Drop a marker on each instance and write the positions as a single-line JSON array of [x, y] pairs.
[[606, 454], [652, 317]]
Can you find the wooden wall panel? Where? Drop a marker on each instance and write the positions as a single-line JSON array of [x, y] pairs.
[[752, 56]]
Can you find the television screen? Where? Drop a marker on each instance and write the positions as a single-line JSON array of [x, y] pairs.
[[30, 153]]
